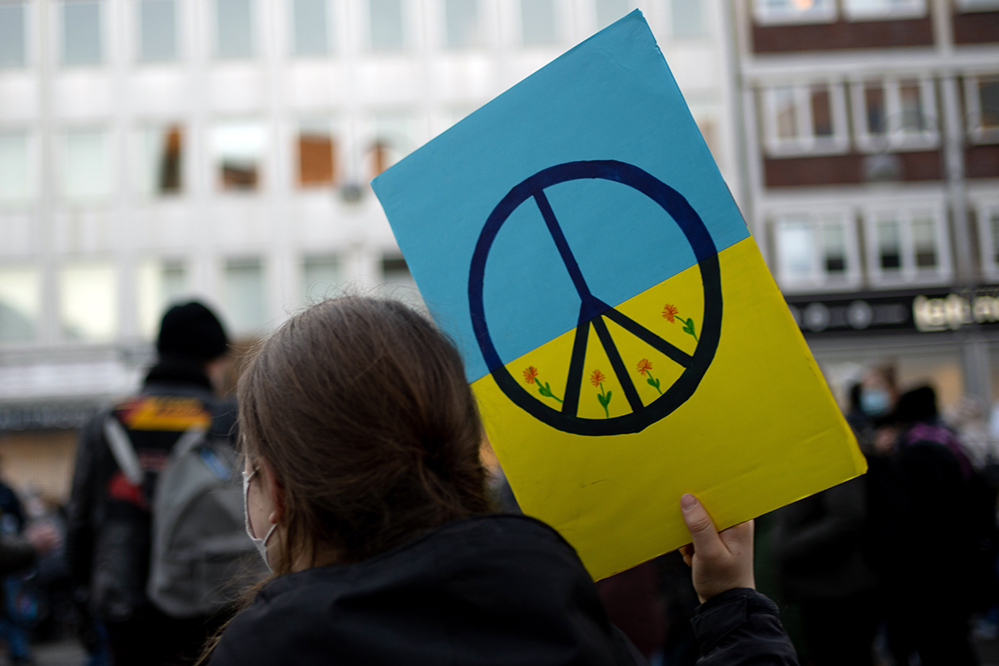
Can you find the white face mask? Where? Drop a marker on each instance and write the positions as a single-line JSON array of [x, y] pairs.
[[261, 544]]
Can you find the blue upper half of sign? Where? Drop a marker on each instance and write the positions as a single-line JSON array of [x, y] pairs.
[[612, 98]]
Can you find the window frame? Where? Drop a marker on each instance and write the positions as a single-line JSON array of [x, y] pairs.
[[110, 147], [27, 19], [818, 219], [32, 166], [405, 38], [335, 127], [177, 27], [988, 243], [102, 35], [330, 30], [806, 143], [973, 109], [216, 23], [908, 272], [161, 126], [971, 6], [899, 140], [765, 16], [911, 10], [215, 155], [557, 37]]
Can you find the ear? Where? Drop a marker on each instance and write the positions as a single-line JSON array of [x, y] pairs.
[[275, 491]]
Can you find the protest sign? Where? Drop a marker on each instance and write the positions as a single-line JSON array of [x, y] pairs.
[[619, 326]]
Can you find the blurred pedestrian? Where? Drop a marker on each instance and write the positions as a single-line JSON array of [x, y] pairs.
[[821, 563], [926, 534], [121, 456]]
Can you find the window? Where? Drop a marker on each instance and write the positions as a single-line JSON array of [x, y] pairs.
[[238, 148], [20, 303], [385, 19], [311, 25], [805, 119], [81, 32], [978, 5], [537, 22], [988, 232], [898, 114], [86, 164], [816, 251], [687, 18], [161, 283], [243, 291], [860, 10], [157, 30], [398, 282], [793, 11], [88, 301], [464, 29], [609, 11], [907, 244], [317, 163], [16, 172], [392, 139], [12, 46], [235, 28], [982, 102], [160, 160], [320, 278]]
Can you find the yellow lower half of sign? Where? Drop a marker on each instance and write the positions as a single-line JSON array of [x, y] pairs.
[[760, 431]]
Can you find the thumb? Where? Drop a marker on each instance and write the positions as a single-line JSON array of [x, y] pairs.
[[706, 540]]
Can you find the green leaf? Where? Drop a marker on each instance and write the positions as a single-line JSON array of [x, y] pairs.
[[609, 394], [657, 383], [651, 382]]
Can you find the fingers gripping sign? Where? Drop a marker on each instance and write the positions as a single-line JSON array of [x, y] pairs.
[[720, 561]]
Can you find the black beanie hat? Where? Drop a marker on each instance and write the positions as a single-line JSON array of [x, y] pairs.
[[191, 331]]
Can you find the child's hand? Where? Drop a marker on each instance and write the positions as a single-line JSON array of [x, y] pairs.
[[720, 561]]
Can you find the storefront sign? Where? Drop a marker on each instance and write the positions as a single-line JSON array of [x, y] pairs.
[[49, 416], [926, 311]]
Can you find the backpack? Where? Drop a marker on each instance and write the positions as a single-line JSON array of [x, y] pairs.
[[200, 550]]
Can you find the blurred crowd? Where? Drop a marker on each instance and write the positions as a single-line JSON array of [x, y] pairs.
[[896, 567]]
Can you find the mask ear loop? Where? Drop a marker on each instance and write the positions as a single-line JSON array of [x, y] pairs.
[[249, 526]]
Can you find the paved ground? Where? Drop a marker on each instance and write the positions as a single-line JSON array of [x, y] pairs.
[[63, 653], [69, 653]]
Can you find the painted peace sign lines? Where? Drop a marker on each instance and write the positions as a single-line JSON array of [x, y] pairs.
[[593, 312]]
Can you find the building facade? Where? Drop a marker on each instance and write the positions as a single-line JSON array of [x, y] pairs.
[[157, 150], [872, 159]]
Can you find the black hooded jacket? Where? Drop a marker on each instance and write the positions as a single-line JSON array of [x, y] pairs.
[[498, 589]]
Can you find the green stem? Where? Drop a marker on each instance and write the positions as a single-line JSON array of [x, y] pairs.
[[604, 403], [655, 386]]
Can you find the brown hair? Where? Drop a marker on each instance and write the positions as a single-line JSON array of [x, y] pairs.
[[362, 409]]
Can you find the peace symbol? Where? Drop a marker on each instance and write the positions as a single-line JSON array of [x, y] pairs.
[[593, 311]]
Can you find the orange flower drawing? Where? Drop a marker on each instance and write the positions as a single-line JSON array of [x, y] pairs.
[[597, 378], [645, 369], [544, 388], [671, 313]]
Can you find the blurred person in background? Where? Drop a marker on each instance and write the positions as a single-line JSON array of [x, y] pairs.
[[819, 550], [879, 392], [926, 530], [109, 518], [17, 607]]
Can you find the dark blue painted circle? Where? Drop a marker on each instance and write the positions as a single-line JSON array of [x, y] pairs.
[[700, 241]]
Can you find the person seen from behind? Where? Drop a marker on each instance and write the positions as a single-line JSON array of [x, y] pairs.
[[927, 524], [366, 496], [122, 455]]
